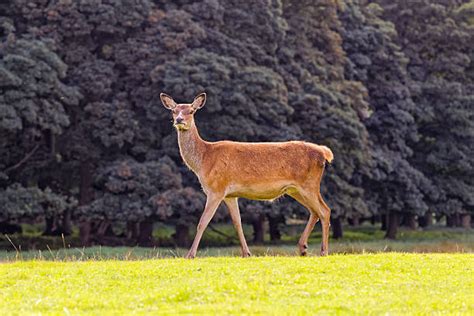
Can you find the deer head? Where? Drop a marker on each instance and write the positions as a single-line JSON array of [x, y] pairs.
[[183, 113]]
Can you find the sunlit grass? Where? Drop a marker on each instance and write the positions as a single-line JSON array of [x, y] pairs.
[[356, 284]]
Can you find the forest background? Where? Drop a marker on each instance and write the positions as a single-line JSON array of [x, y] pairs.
[[87, 148]]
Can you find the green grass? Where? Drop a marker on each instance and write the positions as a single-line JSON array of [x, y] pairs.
[[140, 253], [374, 284], [365, 239]]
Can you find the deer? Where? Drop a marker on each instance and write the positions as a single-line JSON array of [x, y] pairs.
[[264, 171]]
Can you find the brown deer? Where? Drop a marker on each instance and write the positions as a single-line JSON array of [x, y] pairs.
[[230, 170]]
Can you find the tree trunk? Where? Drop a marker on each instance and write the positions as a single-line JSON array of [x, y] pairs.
[[67, 223], [102, 229], [375, 219], [453, 220], [98, 231], [336, 224], [425, 220], [85, 233], [393, 222], [50, 226], [145, 238], [457, 220], [354, 221], [56, 228], [273, 223], [181, 236], [132, 230], [258, 229], [466, 221], [384, 219], [86, 195], [410, 221]]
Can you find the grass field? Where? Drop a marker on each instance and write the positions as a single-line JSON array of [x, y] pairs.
[[423, 272], [364, 239], [391, 283]]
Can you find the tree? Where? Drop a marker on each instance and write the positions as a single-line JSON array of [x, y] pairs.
[[393, 185], [79, 104], [34, 106], [33, 101], [465, 16], [18, 203], [180, 207], [439, 84], [124, 192], [105, 124], [328, 108]]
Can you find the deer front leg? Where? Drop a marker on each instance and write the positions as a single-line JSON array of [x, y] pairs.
[[234, 211], [212, 202]]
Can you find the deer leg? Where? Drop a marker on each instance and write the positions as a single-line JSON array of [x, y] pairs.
[[303, 242], [325, 242], [212, 203], [234, 211], [324, 216], [323, 204], [313, 219], [325, 226], [312, 202]]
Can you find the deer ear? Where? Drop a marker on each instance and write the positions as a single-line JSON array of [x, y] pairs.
[[199, 101], [167, 101]]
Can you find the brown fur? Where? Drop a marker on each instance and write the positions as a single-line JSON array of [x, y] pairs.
[[259, 171]]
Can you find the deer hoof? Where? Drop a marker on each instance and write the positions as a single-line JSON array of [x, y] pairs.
[[303, 250], [324, 253], [246, 254], [190, 255]]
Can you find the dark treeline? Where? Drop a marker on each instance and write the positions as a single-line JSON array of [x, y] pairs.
[[85, 142]]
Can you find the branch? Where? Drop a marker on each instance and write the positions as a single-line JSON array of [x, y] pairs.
[[28, 156]]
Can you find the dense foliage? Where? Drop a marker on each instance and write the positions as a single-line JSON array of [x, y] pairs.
[[387, 85]]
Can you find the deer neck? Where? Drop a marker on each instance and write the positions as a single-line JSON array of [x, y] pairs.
[[191, 147]]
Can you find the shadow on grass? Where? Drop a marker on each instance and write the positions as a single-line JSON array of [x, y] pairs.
[[364, 239], [140, 253]]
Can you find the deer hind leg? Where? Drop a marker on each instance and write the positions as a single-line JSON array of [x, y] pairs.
[[303, 242], [325, 226], [313, 219], [233, 206], [212, 202], [312, 202]]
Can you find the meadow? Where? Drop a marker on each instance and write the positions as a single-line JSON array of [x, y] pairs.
[[423, 272], [394, 283], [357, 240]]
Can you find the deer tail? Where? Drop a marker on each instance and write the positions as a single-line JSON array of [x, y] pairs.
[[327, 153]]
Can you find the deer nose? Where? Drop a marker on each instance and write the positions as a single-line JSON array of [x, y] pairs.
[[179, 120]]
